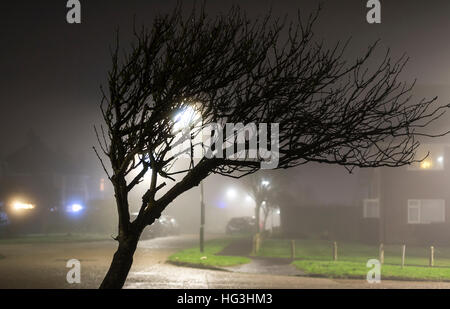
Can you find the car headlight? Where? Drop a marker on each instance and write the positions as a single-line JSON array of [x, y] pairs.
[[19, 206], [75, 208]]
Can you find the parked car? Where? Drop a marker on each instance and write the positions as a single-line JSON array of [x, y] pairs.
[[22, 216], [240, 225], [4, 221], [164, 226]]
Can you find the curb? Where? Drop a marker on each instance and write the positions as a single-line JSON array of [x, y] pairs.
[[199, 266]]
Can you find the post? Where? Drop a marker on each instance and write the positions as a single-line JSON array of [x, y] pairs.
[[381, 253], [335, 253], [403, 255], [431, 256], [293, 249], [202, 219], [256, 243]]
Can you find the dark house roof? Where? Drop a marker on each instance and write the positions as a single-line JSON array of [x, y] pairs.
[[36, 157]]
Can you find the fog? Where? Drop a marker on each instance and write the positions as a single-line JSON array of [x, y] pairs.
[[52, 72]]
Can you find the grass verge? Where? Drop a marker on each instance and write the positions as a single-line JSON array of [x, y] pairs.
[[53, 238], [209, 258], [321, 250], [355, 270], [314, 257]]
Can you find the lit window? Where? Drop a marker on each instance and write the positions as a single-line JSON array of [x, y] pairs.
[[426, 211], [430, 163], [426, 164], [432, 156], [371, 208]]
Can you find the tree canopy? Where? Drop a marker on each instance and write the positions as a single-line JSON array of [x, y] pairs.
[[316, 105]]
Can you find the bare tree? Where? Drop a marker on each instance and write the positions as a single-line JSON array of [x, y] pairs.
[[263, 189], [230, 69], [270, 205]]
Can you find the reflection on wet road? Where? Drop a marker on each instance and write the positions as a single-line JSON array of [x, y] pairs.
[[41, 265]]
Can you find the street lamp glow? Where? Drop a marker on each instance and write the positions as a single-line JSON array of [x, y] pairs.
[[265, 183], [248, 198], [231, 193], [440, 159], [185, 118]]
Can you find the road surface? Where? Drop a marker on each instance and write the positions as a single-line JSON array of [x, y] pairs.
[[44, 266]]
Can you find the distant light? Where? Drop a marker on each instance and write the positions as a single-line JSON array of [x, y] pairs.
[[425, 164], [440, 159], [248, 198], [231, 193], [75, 208], [221, 204], [22, 206], [102, 184], [278, 212], [185, 118], [265, 183]]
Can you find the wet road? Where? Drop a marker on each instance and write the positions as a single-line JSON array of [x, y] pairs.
[[167, 276], [44, 266]]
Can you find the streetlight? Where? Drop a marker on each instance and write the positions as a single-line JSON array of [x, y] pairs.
[[185, 119], [231, 193], [202, 218], [265, 183]]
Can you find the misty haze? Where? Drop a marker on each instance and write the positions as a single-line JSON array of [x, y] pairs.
[[336, 174]]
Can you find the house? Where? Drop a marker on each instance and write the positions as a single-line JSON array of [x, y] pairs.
[[410, 204], [407, 204], [321, 200], [40, 186]]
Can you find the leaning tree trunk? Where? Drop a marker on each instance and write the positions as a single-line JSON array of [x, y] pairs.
[[266, 215], [257, 217], [121, 264]]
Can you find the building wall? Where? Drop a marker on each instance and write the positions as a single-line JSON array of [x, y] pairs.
[[393, 187], [331, 222], [401, 184], [324, 201]]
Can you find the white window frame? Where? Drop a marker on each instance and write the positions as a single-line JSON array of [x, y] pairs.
[[417, 204], [366, 203]]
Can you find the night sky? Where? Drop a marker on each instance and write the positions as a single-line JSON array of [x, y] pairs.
[[52, 70]]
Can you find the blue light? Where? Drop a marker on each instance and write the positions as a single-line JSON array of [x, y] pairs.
[[75, 208], [221, 204]]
